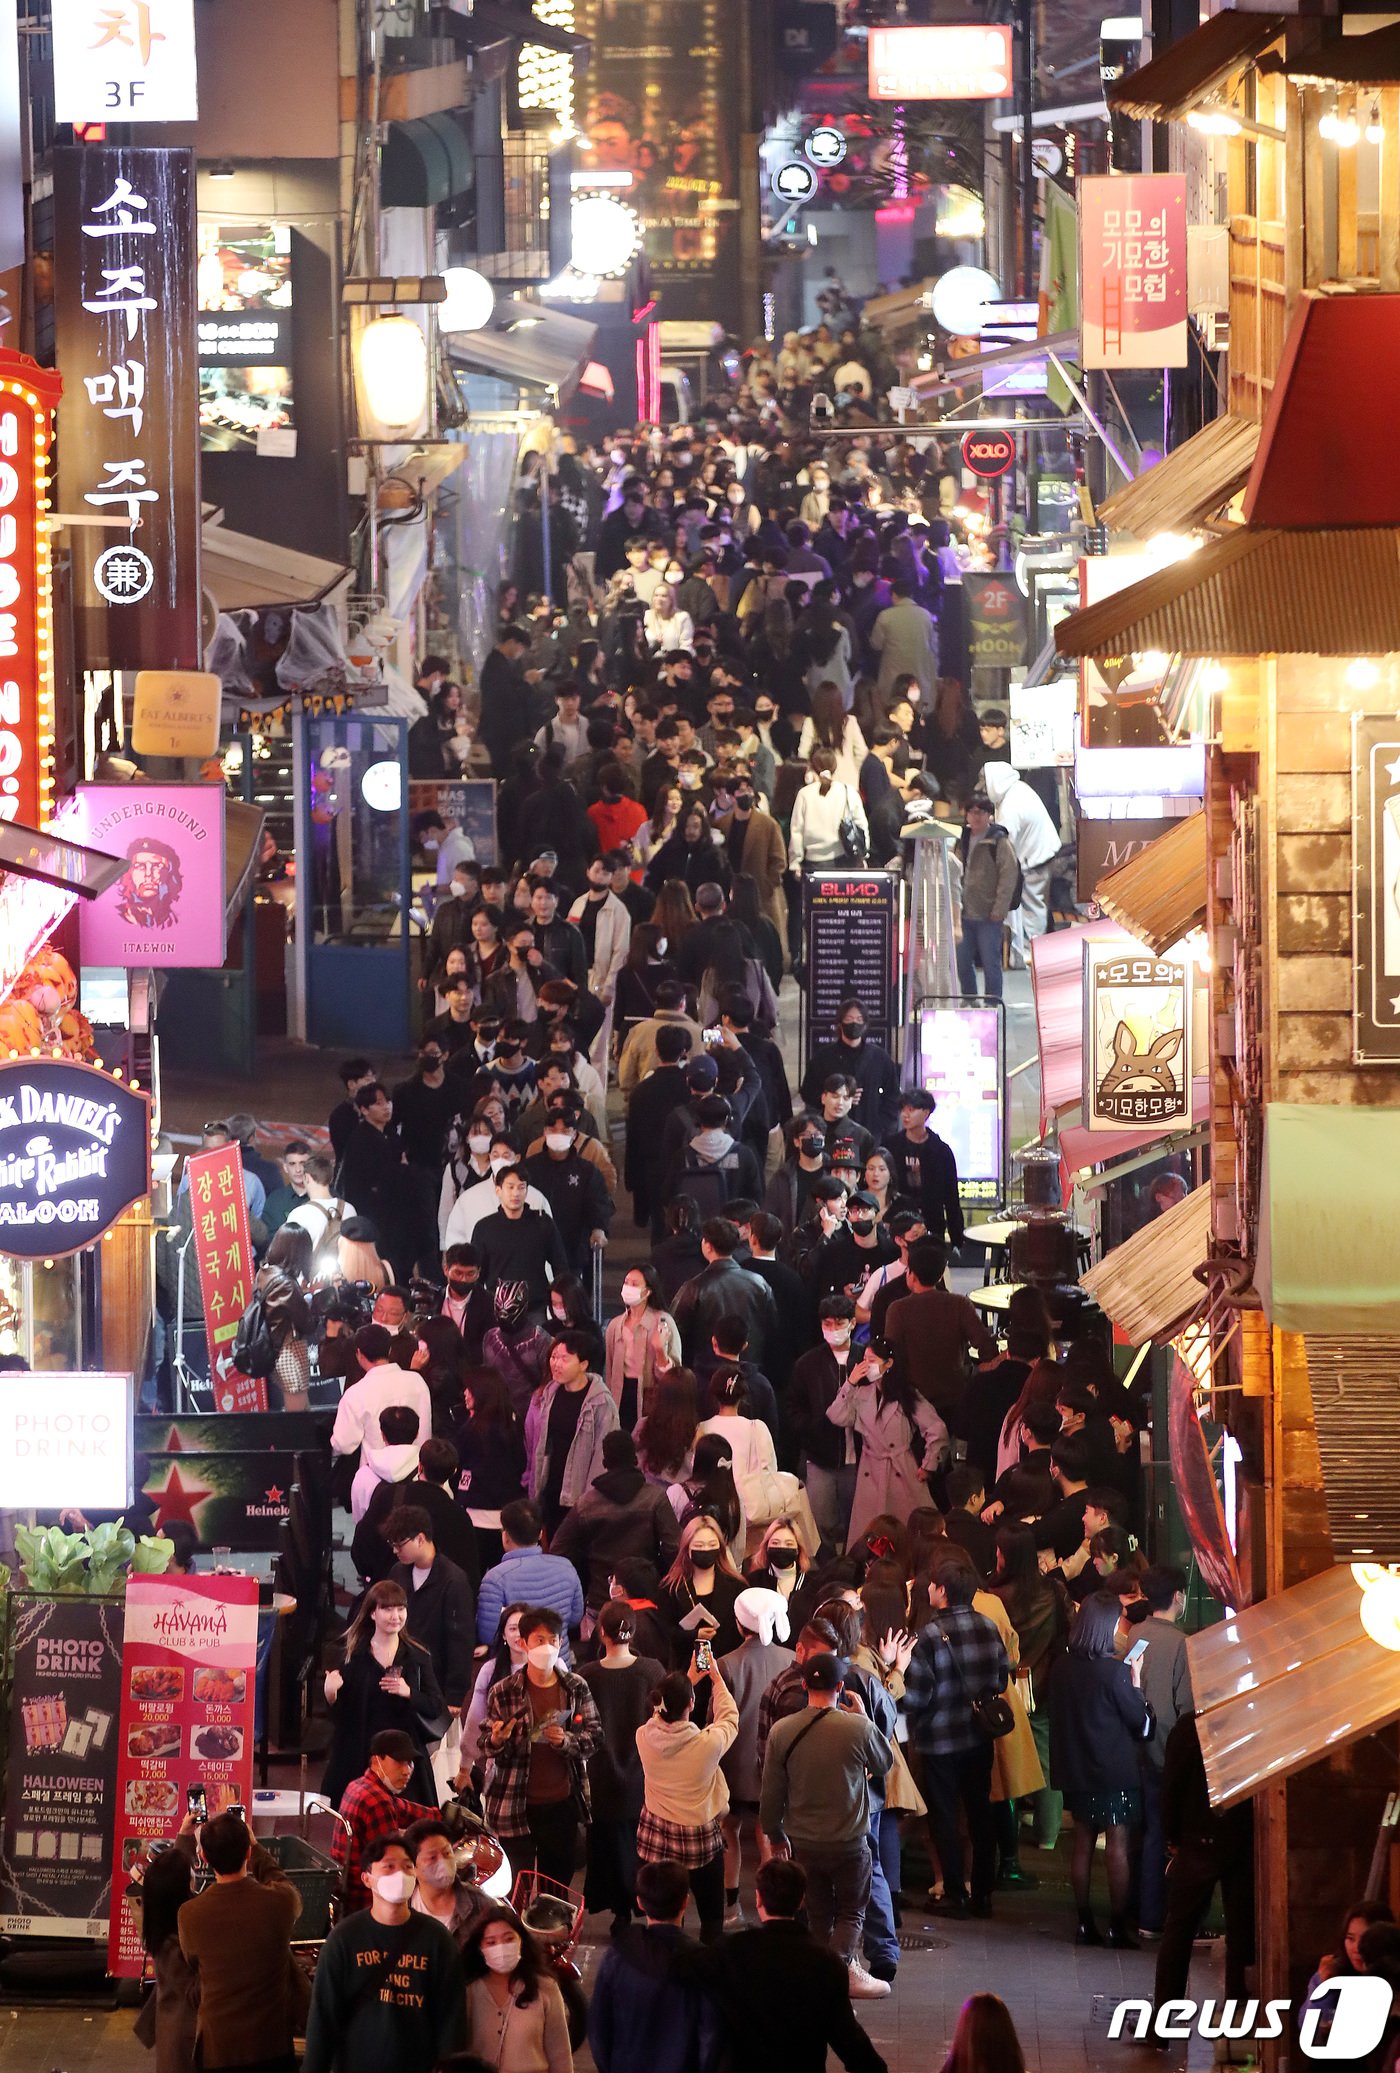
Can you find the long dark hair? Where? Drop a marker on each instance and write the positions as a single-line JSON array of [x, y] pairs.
[[665, 1434], [291, 1250], [164, 1891], [492, 1410], [829, 715], [744, 904], [1019, 1583], [1095, 1629], [712, 1487], [645, 937], [984, 2039], [528, 1972]]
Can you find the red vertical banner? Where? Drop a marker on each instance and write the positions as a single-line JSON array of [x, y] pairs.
[[1132, 267], [224, 1251], [189, 1659]]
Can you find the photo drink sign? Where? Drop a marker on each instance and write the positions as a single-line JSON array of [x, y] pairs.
[[187, 1690]]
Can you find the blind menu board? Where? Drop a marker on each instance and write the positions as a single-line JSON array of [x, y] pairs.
[[850, 948], [61, 1774], [187, 1678]]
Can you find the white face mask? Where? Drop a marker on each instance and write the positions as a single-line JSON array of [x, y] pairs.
[[633, 1296], [440, 1873], [557, 1140], [479, 1145], [836, 1334], [503, 1956], [395, 1887], [500, 1165], [543, 1656]]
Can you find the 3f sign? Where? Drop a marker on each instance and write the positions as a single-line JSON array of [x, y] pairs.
[[124, 57]]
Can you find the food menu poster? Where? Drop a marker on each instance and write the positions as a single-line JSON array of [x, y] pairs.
[[187, 1678], [850, 948], [61, 1774]]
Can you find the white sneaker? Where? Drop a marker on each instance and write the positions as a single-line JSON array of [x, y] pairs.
[[864, 1985], [735, 1918]]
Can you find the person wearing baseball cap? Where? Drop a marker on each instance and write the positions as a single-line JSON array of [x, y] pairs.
[[374, 1807], [814, 1805]]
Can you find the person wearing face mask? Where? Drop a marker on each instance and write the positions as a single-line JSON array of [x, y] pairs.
[[541, 1728], [859, 1058], [805, 1161], [389, 1989], [639, 1341], [854, 1252], [901, 1437], [606, 928], [442, 1893], [754, 844], [479, 1199], [574, 1189], [685, 1793], [468, 1161], [465, 1301], [831, 1452], [516, 2017]]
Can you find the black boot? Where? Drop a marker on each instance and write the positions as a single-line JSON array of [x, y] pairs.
[[1120, 1936], [1088, 1930]]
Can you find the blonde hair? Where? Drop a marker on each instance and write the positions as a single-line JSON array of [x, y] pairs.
[[682, 1570], [358, 1260], [760, 1553]]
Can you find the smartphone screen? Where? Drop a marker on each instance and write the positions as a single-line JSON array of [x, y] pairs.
[[1137, 1651], [196, 1803]]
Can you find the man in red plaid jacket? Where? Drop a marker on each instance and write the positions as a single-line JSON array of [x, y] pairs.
[[374, 1806]]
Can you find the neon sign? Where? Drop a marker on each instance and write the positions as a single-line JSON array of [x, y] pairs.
[[28, 394]]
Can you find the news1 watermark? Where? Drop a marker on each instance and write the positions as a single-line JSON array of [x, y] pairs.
[[1343, 2019]]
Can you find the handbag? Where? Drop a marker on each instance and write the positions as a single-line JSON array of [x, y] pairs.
[[854, 839], [991, 1712]]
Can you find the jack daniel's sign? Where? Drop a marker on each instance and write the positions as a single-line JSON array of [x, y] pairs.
[[75, 1151]]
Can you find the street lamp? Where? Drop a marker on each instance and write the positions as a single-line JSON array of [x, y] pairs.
[[392, 358]]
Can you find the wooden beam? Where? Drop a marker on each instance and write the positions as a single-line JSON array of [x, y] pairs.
[[1390, 190]]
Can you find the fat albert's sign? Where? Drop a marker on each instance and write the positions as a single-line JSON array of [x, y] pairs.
[[74, 1153]]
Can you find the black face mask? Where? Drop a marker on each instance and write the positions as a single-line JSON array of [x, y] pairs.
[[744, 801], [704, 1558], [853, 1032], [813, 1147], [782, 1558], [861, 1225], [459, 1284]]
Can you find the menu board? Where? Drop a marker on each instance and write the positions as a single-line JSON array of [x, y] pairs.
[[849, 928], [960, 1061], [61, 1770], [187, 1690]]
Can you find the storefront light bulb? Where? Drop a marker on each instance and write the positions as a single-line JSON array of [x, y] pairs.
[[1380, 1611], [960, 298], [1375, 128], [1348, 132], [1327, 125], [381, 787], [1363, 674], [606, 232], [1368, 1573], [470, 300], [393, 363]]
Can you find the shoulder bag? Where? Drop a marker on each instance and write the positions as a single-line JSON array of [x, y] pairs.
[[991, 1712]]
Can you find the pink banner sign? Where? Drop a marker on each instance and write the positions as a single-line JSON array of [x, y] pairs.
[[1132, 266], [168, 908]]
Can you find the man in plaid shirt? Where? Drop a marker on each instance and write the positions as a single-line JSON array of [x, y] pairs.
[[541, 1728], [957, 1658], [374, 1806]]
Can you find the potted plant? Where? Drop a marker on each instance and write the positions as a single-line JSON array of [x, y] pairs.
[[93, 1564]]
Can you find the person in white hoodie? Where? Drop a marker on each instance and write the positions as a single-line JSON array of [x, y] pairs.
[[357, 1419], [393, 1460], [1036, 841], [684, 1795]]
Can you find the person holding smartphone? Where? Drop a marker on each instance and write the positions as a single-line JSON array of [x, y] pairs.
[[1099, 1721], [684, 1793]]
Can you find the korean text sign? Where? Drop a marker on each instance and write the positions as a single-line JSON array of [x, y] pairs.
[[224, 1253], [168, 908], [61, 1776], [1132, 262], [124, 308], [28, 394], [75, 1151], [1137, 1039], [124, 61], [189, 1659]]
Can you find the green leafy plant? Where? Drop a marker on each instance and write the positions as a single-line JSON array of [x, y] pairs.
[[93, 1564]]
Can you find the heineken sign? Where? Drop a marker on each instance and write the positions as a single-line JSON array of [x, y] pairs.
[[75, 1151]]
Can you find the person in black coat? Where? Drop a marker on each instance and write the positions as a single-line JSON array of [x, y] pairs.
[[1207, 1849], [797, 1323], [388, 1681], [373, 1168], [620, 1515], [554, 818], [784, 1998], [925, 1170], [575, 1191], [441, 1602], [431, 1491], [1099, 1721], [653, 1100], [871, 1067], [505, 698], [691, 854], [648, 2012]]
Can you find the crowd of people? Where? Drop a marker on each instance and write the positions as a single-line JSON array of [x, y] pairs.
[[754, 1575]]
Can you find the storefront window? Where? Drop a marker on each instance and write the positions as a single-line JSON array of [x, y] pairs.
[[357, 832], [40, 1313]]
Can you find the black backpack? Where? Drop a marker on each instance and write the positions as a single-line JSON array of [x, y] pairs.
[[254, 1350], [711, 1182]]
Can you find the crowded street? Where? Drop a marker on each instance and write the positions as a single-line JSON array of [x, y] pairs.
[[699, 991]]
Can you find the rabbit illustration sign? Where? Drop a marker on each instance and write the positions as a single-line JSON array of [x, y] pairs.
[[1137, 1039]]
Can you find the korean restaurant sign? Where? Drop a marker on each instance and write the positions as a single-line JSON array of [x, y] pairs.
[[124, 305], [224, 1253], [1132, 263], [28, 394], [124, 61], [1137, 1039], [75, 1151], [943, 61], [167, 910]]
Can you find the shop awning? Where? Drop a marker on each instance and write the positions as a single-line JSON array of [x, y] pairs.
[[1147, 1285], [1257, 591], [527, 346], [1191, 485], [960, 373], [243, 574], [1196, 66], [1330, 1192], [1371, 60], [426, 161], [1160, 894]]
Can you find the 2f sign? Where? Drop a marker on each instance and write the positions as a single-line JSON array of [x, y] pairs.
[[131, 60]]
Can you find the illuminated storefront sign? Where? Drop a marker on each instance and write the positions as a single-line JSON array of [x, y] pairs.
[[1137, 1039], [27, 396], [167, 909], [245, 334], [124, 306], [75, 1151], [124, 61], [1132, 262], [947, 61]]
